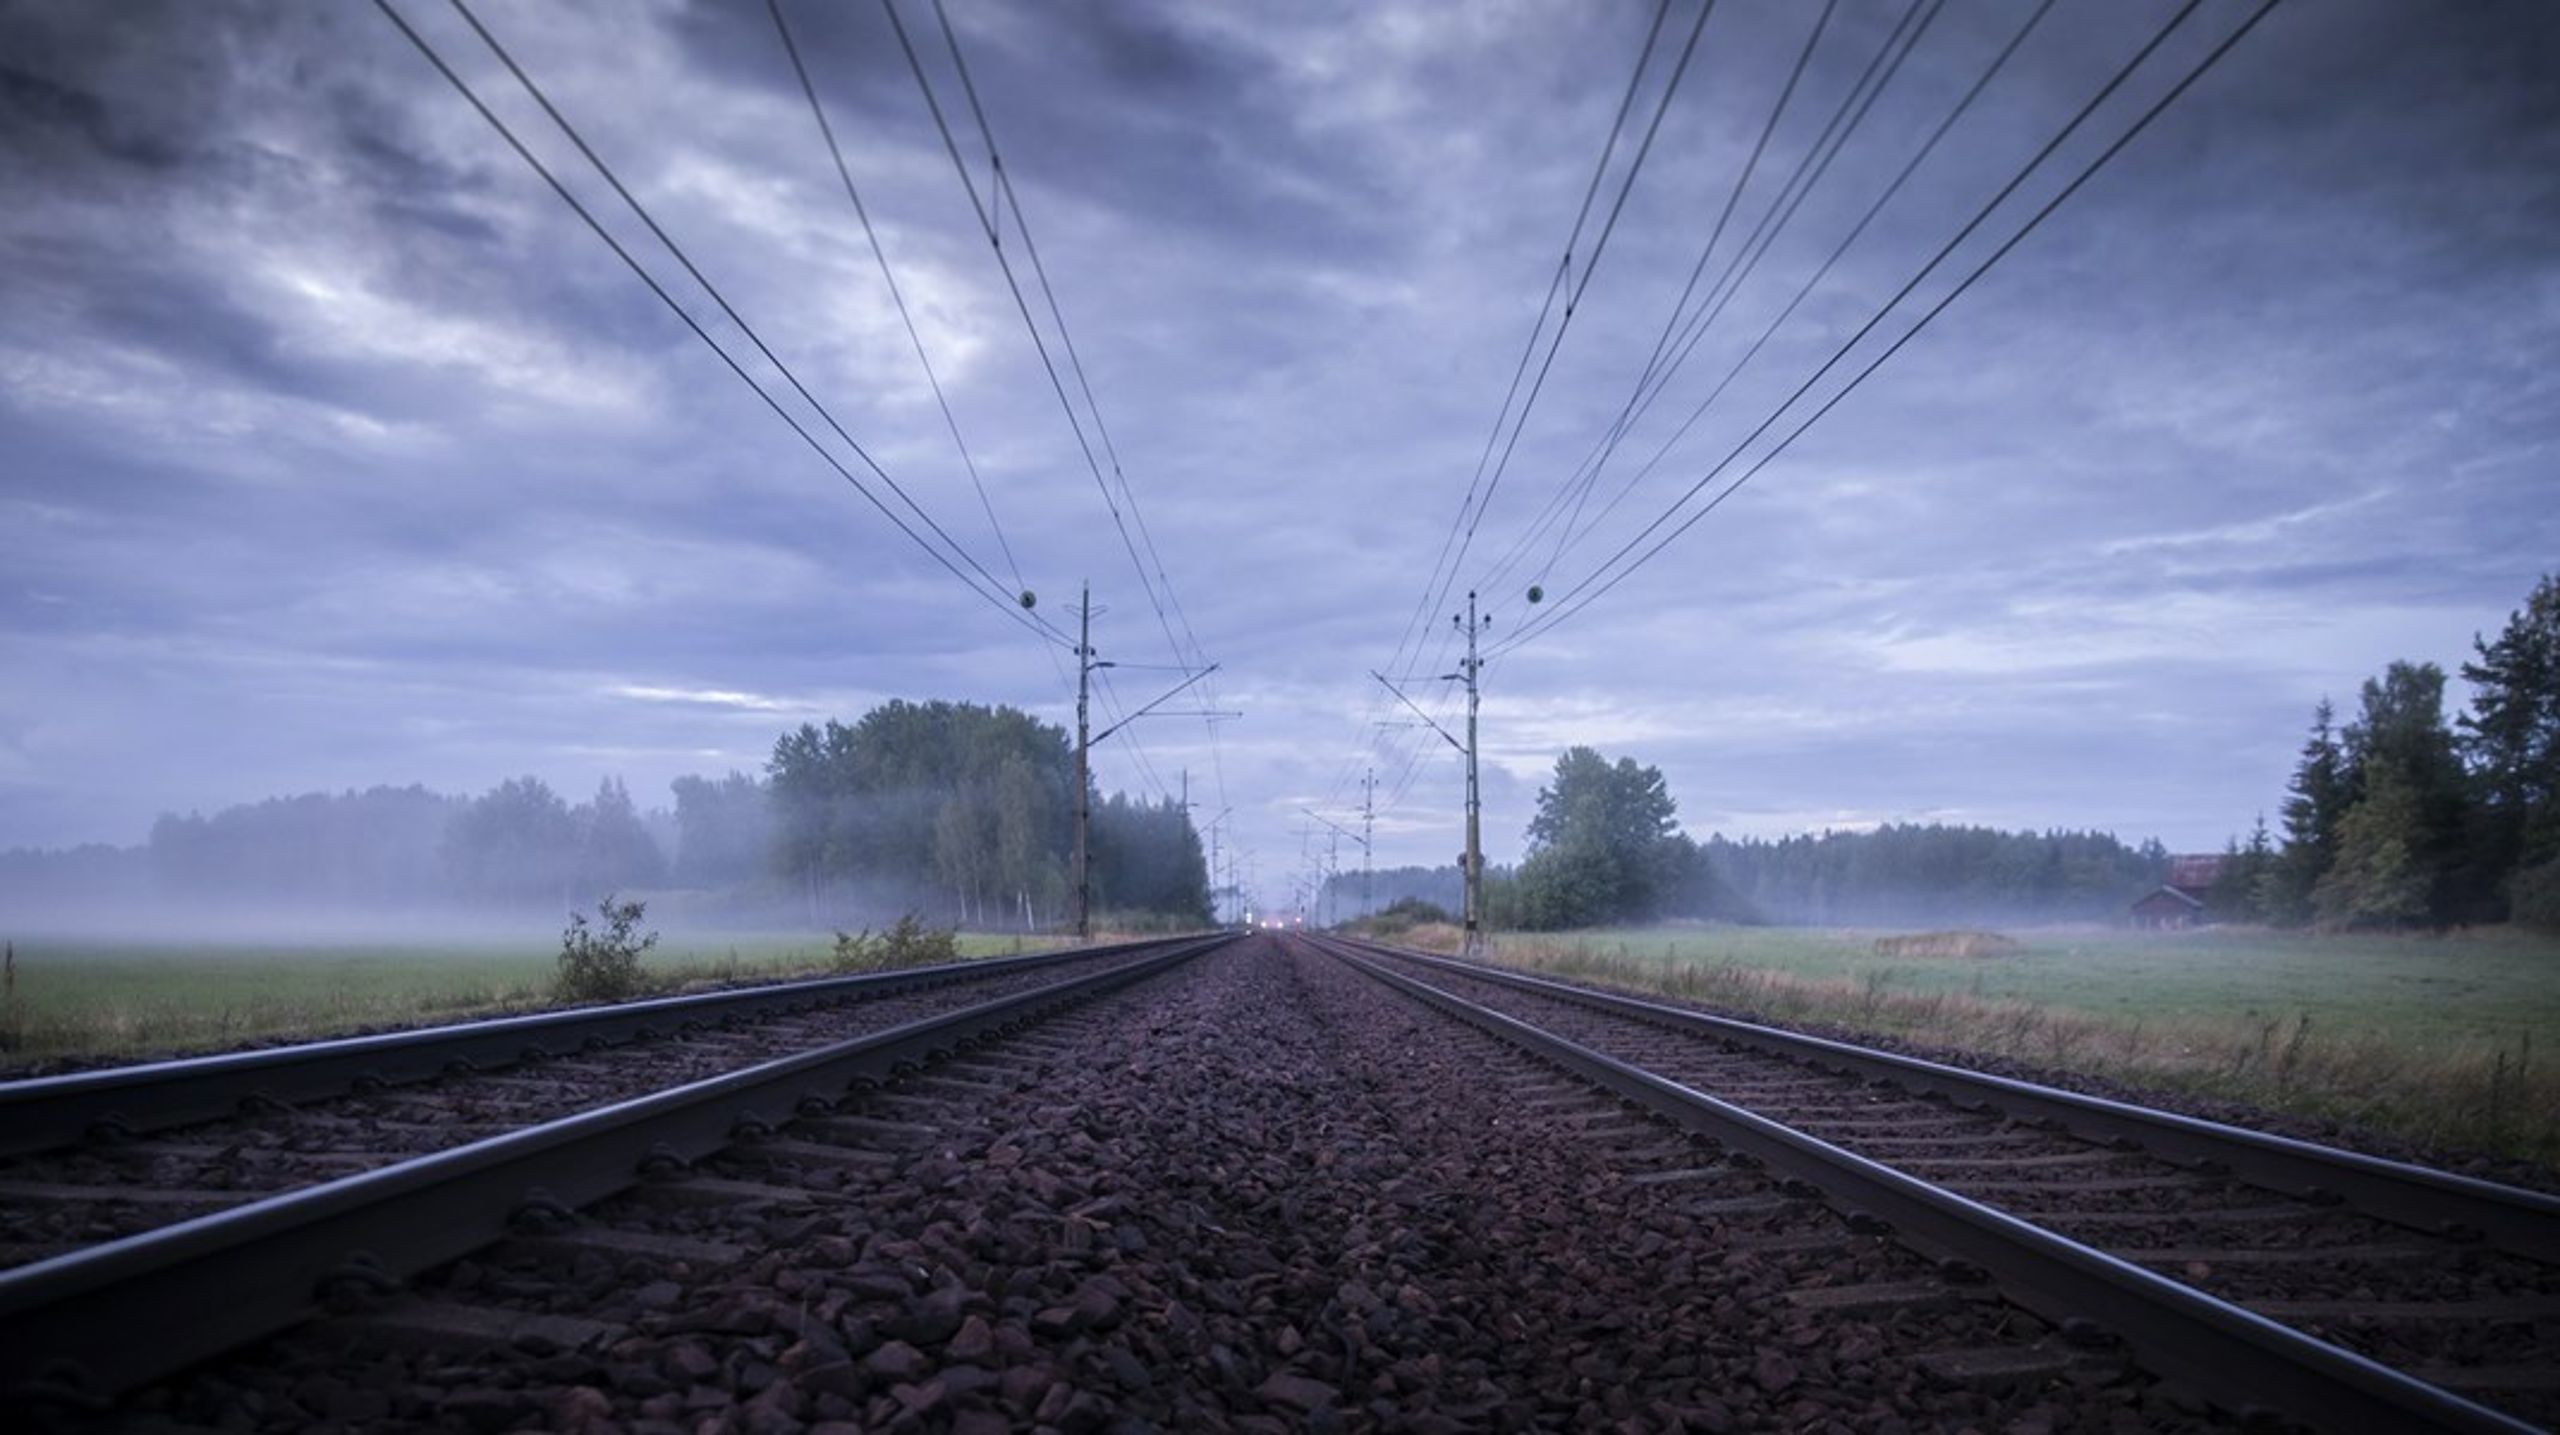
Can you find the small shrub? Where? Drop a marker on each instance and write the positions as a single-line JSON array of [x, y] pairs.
[[604, 964], [907, 943], [1400, 917]]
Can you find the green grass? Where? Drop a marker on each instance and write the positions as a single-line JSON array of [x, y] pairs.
[[2451, 1041], [2422, 990], [89, 999]]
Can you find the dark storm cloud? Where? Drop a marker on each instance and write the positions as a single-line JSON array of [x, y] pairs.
[[1172, 123], [327, 426]]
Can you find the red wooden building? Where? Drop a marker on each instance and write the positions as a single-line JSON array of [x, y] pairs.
[[2180, 901]]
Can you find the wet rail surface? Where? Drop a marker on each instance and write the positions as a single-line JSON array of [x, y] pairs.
[[109, 1153], [2421, 1288], [1252, 1192]]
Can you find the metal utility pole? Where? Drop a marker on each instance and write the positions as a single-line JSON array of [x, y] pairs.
[[1471, 861], [1334, 834], [1332, 876], [1368, 830], [1217, 896], [1081, 879], [1081, 874], [1475, 792]]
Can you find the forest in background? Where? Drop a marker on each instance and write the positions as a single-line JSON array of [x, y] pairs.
[[958, 812], [1898, 875]]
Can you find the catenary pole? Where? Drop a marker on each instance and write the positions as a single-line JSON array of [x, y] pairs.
[[1368, 845], [1475, 794], [1084, 775]]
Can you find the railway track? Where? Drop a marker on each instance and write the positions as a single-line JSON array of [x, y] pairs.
[[1297, 1186], [347, 1167], [96, 1155], [2273, 1274], [1250, 1193]]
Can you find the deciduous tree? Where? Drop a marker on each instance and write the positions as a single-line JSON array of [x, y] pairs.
[[2379, 878], [1601, 848], [2400, 739]]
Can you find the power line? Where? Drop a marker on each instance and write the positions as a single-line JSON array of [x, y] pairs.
[[990, 211], [1574, 604], [915, 337], [1434, 588], [897, 295], [1462, 529], [1144, 557], [1813, 281], [1008, 603], [1683, 328]]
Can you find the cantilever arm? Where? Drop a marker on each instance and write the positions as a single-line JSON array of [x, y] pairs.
[[1417, 712]]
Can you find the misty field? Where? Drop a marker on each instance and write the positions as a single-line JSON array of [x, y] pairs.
[[2450, 1040], [84, 999]]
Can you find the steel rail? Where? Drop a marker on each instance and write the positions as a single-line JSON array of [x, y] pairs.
[[2513, 1219], [49, 1112], [2235, 1358], [100, 1321]]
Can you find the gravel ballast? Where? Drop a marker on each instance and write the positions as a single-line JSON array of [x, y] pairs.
[[1260, 1193]]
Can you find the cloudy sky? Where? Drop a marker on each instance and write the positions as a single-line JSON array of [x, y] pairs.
[[335, 449]]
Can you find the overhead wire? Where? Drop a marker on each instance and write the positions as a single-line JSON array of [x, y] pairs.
[[1585, 593], [1153, 580], [1573, 300], [1684, 327], [1433, 585], [990, 218], [1463, 526], [993, 593], [1813, 281], [1198, 655], [897, 295], [906, 317]]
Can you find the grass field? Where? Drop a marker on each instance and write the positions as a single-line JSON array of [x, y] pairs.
[[2451, 1041], [127, 999]]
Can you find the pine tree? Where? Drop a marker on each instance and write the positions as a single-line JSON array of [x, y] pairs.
[[2511, 736], [2320, 793], [2240, 893]]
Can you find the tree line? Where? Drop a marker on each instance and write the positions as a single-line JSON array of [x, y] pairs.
[[976, 806], [1605, 848], [2399, 818], [959, 812]]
